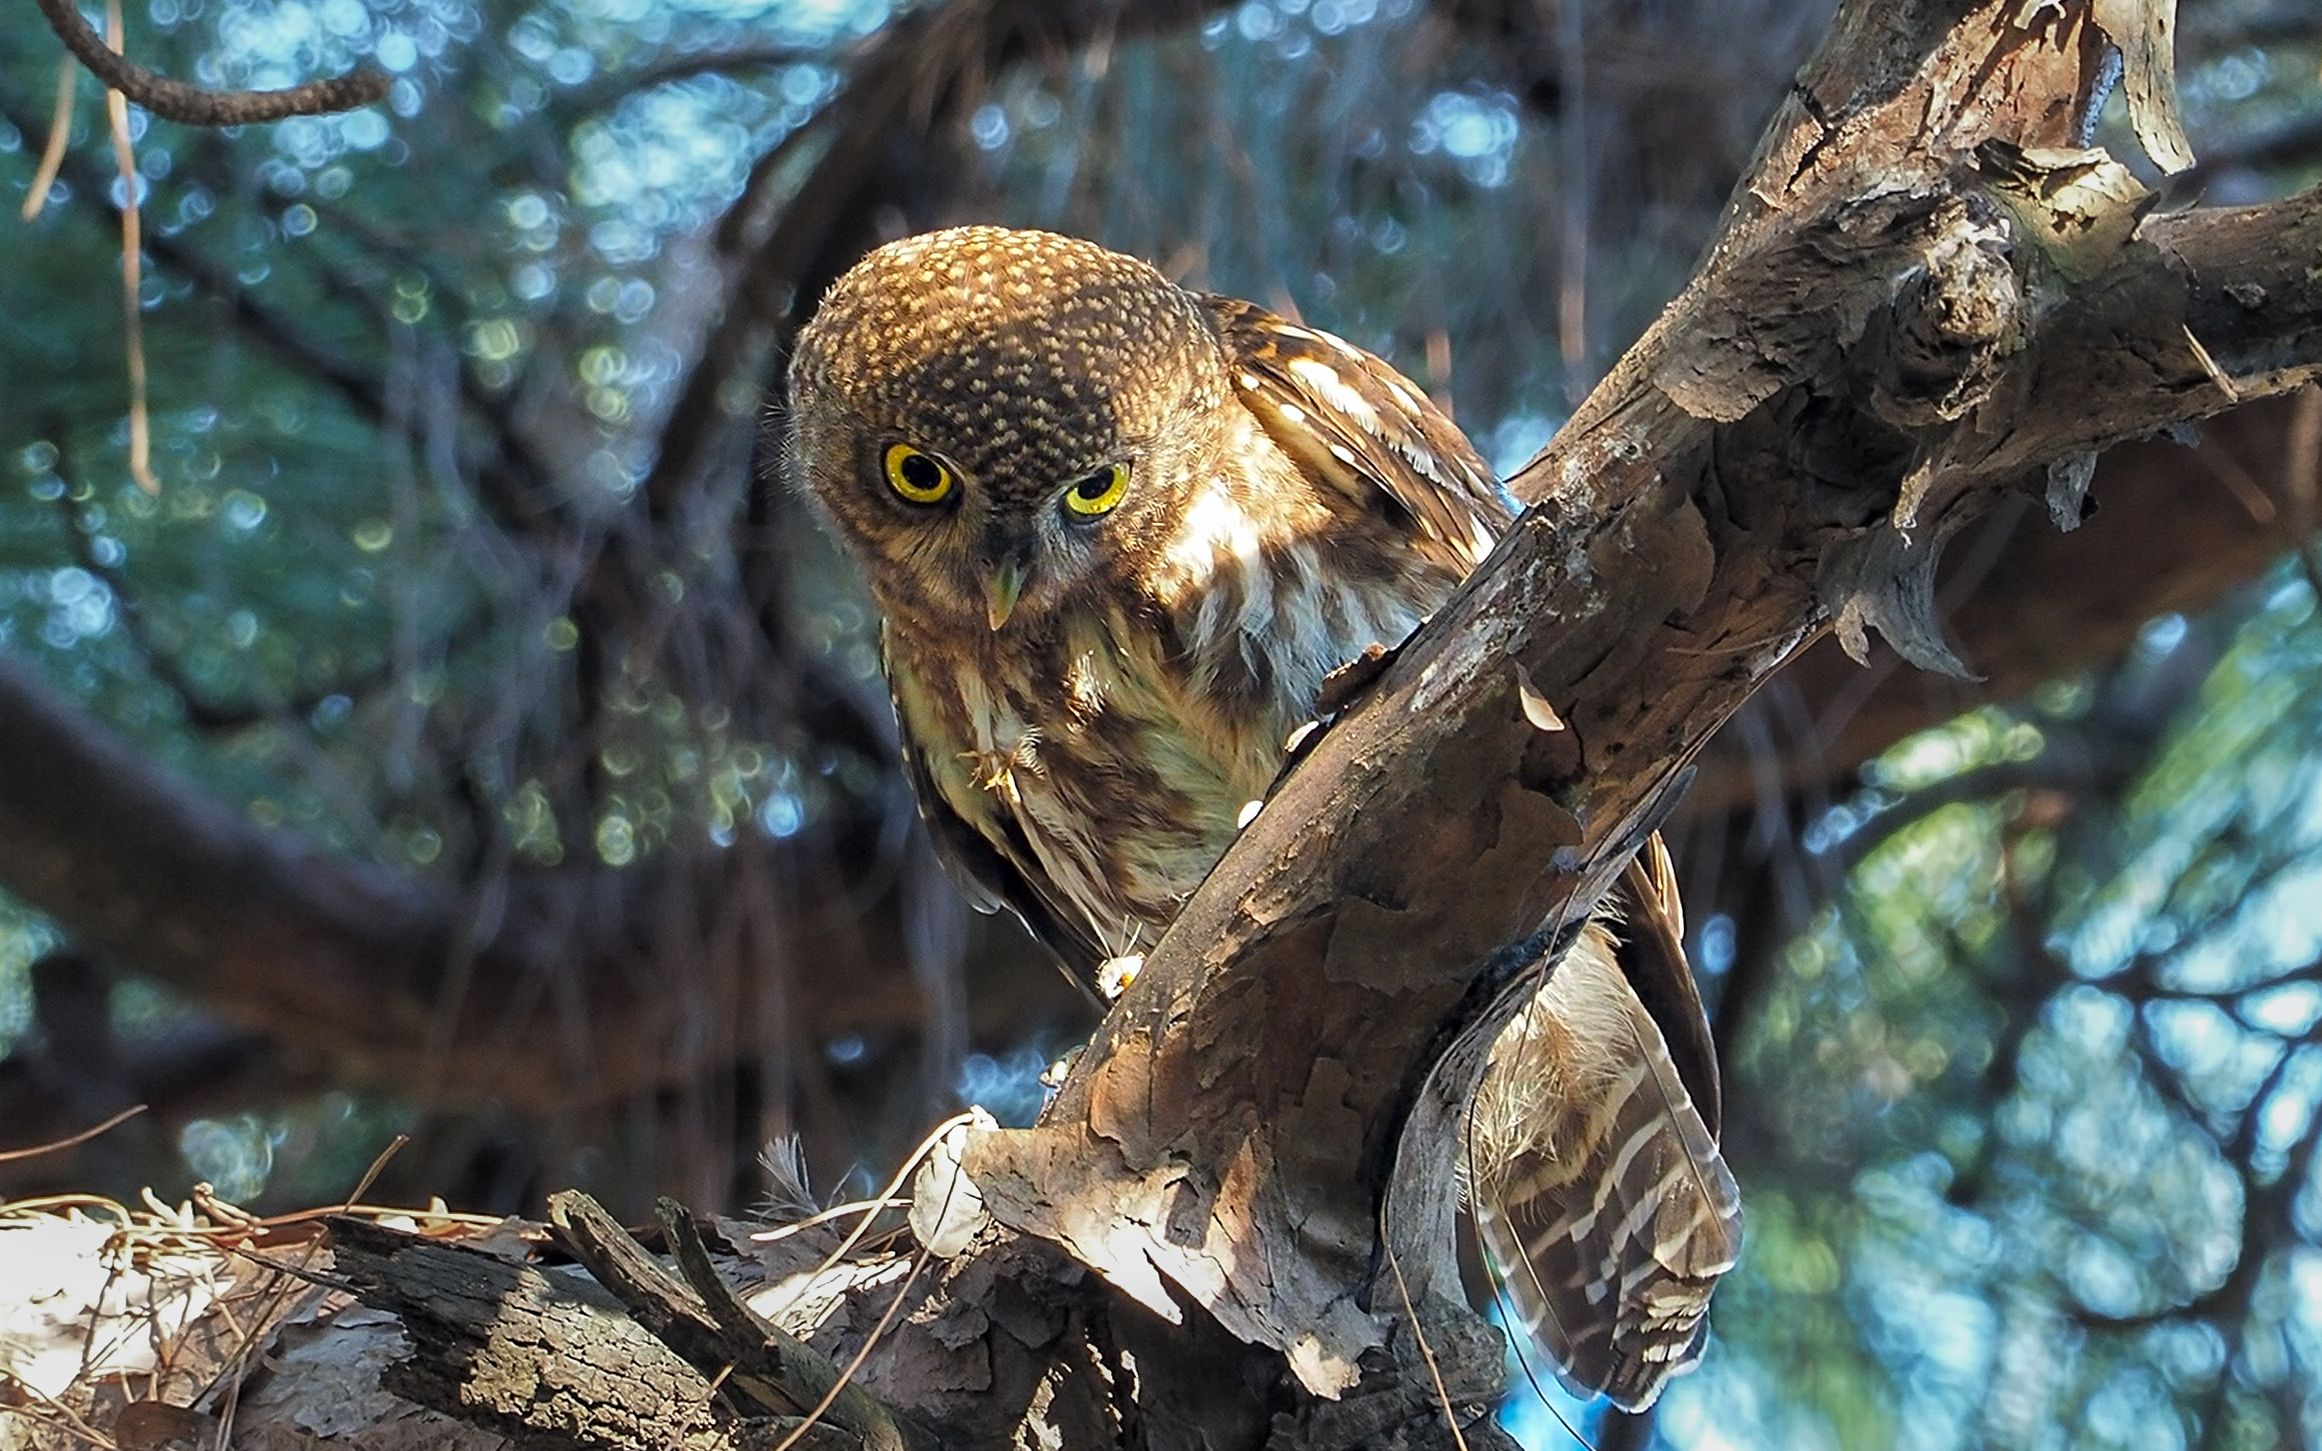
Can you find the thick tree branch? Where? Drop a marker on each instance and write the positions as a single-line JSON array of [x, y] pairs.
[[2179, 529], [357, 962]]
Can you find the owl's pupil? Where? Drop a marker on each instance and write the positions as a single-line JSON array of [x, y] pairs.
[[1095, 485], [921, 473]]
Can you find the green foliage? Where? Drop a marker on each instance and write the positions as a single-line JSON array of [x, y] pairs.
[[2027, 1125]]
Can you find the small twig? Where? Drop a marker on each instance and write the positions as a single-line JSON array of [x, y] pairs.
[[371, 1175], [2209, 366], [698, 1316], [798, 1370], [177, 101], [825, 1216], [846, 1378], [276, 1295], [11, 1155], [874, 1204]]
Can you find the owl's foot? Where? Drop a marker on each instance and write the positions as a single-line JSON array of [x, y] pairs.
[[1114, 975]]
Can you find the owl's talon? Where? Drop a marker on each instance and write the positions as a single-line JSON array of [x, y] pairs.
[[1115, 974]]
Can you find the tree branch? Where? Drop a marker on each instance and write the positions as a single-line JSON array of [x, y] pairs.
[[2179, 530], [177, 101], [358, 961]]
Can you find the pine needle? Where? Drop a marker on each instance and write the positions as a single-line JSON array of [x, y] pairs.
[[1426, 1351], [60, 130], [132, 271]]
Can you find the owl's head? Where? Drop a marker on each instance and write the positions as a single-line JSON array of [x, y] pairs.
[[1000, 423]]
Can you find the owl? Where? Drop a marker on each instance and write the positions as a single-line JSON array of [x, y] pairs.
[[1119, 532]]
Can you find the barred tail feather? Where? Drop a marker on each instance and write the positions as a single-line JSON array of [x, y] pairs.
[[1599, 1192]]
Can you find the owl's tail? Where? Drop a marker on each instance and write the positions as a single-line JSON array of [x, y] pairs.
[[1598, 1189]]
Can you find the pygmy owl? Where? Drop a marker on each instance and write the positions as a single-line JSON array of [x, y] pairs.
[[1119, 533]]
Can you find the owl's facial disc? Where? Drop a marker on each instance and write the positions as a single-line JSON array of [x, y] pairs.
[[1051, 400]]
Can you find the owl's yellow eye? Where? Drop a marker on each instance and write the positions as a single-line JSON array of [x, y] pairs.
[[920, 478], [1099, 493]]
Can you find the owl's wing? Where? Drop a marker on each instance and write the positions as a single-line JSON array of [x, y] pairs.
[[1599, 1189], [989, 858], [1652, 958], [1357, 423]]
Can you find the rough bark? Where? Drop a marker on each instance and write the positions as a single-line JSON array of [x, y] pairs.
[[1925, 301], [2179, 530]]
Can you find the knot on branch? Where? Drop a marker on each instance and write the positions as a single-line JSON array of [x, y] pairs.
[[1936, 359], [1954, 320]]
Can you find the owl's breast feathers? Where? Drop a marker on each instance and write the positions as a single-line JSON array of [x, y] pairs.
[[1104, 755]]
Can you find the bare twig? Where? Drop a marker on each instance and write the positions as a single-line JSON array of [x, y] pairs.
[[132, 272], [59, 1145], [178, 101], [60, 129]]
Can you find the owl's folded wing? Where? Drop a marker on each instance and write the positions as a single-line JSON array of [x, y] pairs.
[[1357, 423], [989, 860]]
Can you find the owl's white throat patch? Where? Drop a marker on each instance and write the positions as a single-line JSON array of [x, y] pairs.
[[1216, 529]]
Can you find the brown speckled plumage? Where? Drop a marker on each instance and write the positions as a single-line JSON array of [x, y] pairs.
[[1088, 702]]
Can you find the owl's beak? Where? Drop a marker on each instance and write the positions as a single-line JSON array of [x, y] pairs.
[[1001, 587]]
